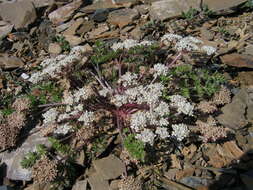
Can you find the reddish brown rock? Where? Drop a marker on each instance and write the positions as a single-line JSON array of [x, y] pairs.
[[123, 17], [65, 12], [238, 60]]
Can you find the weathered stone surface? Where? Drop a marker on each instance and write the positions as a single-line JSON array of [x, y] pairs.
[[165, 9], [100, 15], [123, 17], [101, 28], [5, 29], [40, 3], [249, 49], [221, 155], [110, 167], [97, 182], [80, 185], [13, 159], [107, 4], [73, 40], [238, 60], [219, 5], [245, 78], [21, 14], [54, 48], [11, 62], [64, 13], [73, 27], [233, 114], [86, 27]]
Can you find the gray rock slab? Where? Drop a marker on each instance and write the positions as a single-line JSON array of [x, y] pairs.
[[109, 167], [219, 5], [233, 114], [21, 14], [13, 159], [80, 185], [97, 182], [63, 13], [123, 17], [166, 9]]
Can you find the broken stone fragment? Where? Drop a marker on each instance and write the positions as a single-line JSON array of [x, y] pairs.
[[10, 62], [123, 17], [13, 159], [65, 12], [21, 14], [109, 167], [220, 5], [234, 114], [166, 9]]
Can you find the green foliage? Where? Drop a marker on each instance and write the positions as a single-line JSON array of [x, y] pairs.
[[31, 157], [98, 146], [223, 31], [194, 83], [63, 43], [190, 14], [47, 92], [153, 25], [7, 111], [207, 11], [60, 147], [141, 54], [248, 4], [135, 147], [102, 54]]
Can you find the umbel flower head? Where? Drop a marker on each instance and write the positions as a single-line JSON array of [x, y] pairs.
[[187, 44]]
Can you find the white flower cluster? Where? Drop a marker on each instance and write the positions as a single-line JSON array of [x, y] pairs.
[[82, 93], [146, 136], [52, 66], [180, 131], [129, 43], [87, 118], [148, 95], [63, 129], [160, 69], [188, 43], [181, 104], [50, 116]]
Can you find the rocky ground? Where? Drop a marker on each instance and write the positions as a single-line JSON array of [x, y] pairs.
[[126, 94]]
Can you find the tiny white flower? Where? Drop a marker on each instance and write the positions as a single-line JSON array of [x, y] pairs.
[[138, 121], [160, 69], [209, 50], [87, 117], [182, 105], [50, 116], [146, 136], [162, 132], [180, 131], [63, 129], [171, 37]]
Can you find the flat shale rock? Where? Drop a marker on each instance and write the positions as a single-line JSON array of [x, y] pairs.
[[80, 185], [12, 160], [97, 182], [219, 5], [233, 114], [5, 29], [238, 60], [123, 17], [21, 14], [65, 12], [166, 9], [10, 62], [109, 167]]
